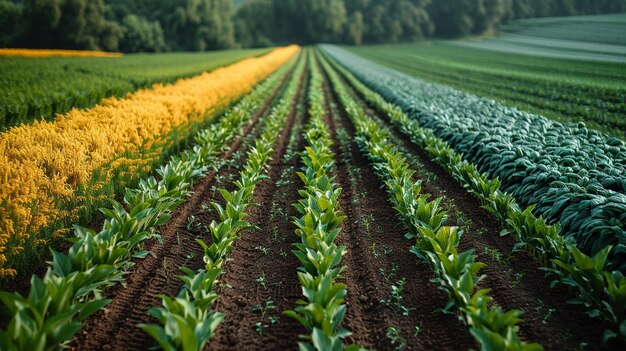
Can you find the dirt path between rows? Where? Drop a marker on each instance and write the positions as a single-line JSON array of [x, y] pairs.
[[261, 272]]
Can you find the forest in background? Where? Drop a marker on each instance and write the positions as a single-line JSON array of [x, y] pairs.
[[200, 25]]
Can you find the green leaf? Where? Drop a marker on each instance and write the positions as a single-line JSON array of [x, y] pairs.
[[320, 340], [158, 334], [595, 313], [518, 246], [607, 336], [92, 307], [141, 254], [66, 331]]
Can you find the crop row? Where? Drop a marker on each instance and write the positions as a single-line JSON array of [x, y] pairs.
[[71, 289], [436, 244], [574, 176], [603, 292], [323, 309], [36, 87], [186, 321], [55, 168]]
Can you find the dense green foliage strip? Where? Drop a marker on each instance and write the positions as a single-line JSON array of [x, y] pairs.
[[36, 88], [186, 321], [572, 175], [71, 289], [436, 244], [323, 309], [602, 292]]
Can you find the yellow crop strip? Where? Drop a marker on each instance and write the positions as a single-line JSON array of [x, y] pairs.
[[48, 52], [41, 165]]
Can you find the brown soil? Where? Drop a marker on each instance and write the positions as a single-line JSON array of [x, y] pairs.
[[115, 328], [515, 279], [262, 269]]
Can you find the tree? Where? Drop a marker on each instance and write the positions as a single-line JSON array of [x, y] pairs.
[[10, 19], [254, 23], [198, 24], [141, 35], [453, 17], [186, 24], [392, 20], [155, 25], [68, 24], [354, 28]]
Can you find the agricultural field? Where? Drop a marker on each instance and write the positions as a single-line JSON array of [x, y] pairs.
[[317, 197], [570, 88], [58, 172], [39, 87], [588, 38], [603, 29]]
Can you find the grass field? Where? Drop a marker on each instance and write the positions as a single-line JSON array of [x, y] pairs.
[[560, 89]]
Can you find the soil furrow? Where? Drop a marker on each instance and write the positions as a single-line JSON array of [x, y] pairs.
[[365, 316], [259, 280]]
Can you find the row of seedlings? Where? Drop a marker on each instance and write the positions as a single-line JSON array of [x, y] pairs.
[[71, 289], [602, 292], [187, 322], [323, 309], [436, 244]]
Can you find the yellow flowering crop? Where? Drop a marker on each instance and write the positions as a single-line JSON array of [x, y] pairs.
[[42, 164], [49, 52]]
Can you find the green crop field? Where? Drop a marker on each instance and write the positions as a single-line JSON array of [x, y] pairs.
[[589, 38], [604, 29], [565, 90], [40, 87]]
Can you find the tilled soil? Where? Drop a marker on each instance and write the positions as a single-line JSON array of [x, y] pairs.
[[259, 280]]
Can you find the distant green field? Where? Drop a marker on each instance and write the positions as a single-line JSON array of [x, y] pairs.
[[35, 88], [590, 38], [607, 29], [561, 89]]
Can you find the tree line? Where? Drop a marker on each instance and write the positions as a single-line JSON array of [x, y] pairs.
[[198, 25]]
